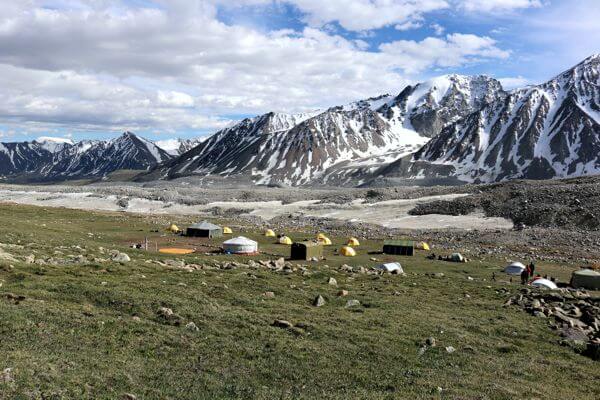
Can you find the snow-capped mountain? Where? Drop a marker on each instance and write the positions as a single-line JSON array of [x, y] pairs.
[[429, 106], [176, 147], [336, 145], [550, 130], [24, 157], [54, 161]]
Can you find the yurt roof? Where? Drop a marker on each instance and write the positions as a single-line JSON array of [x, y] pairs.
[[241, 240], [205, 225]]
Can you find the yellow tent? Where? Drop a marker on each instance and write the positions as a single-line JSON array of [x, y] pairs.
[[422, 246], [348, 251], [321, 236], [325, 241], [173, 229], [285, 240], [269, 233], [227, 231], [353, 242]]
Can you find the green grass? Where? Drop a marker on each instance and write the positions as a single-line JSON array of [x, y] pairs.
[[74, 337]]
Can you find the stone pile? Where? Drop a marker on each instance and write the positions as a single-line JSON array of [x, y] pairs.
[[574, 314]]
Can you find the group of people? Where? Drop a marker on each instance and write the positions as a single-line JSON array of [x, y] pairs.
[[527, 273]]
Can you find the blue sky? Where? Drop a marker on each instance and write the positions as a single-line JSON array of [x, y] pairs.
[[86, 69]]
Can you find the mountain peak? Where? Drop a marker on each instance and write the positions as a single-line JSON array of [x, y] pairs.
[[594, 58]]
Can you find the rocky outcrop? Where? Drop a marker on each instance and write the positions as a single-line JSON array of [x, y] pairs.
[[575, 315]]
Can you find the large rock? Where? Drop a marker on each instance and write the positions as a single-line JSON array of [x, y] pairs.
[[319, 301], [120, 257]]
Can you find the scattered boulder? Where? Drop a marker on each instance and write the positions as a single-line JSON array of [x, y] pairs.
[[575, 315], [190, 326], [7, 376], [168, 316], [280, 263], [319, 301], [281, 323], [269, 295], [352, 303], [332, 282], [120, 257], [342, 293]]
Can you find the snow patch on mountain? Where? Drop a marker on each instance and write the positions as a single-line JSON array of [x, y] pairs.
[[546, 131]]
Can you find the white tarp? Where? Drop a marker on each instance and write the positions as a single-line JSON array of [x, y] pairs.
[[544, 284], [391, 267], [514, 268]]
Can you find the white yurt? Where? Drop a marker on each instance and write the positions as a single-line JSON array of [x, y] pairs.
[[514, 268], [544, 284], [240, 245], [391, 267]]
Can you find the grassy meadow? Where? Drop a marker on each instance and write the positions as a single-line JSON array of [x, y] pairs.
[[90, 329]]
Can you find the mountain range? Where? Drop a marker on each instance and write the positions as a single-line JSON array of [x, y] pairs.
[[465, 128], [545, 131], [49, 160]]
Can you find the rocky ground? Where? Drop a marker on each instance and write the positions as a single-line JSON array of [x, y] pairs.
[[573, 314], [567, 204]]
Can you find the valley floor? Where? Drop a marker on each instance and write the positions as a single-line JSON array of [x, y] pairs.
[[76, 324]]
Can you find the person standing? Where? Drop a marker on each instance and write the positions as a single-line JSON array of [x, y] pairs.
[[531, 268], [525, 276]]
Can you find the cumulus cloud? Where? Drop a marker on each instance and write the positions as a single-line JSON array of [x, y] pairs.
[[103, 65], [497, 5], [453, 50], [360, 15]]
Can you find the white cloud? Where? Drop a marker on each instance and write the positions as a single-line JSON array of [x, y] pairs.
[[437, 28], [175, 99], [103, 65], [514, 82], [454, 50], [53, 139], [358, 15], [488, 6]]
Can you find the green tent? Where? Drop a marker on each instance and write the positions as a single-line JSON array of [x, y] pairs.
[[399, 247], [586, 278], [306, 250]]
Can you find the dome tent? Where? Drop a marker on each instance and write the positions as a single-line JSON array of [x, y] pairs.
[[325, 241], [422, 246], [240, 245], [285, 240], [348, 251], [353, 242], [270, 233], [543, 283], [514, 268], [173, 229], [586, 278], [321, 236], [227, 230]]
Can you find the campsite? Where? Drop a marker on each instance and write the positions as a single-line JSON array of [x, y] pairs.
[[76, 314]]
